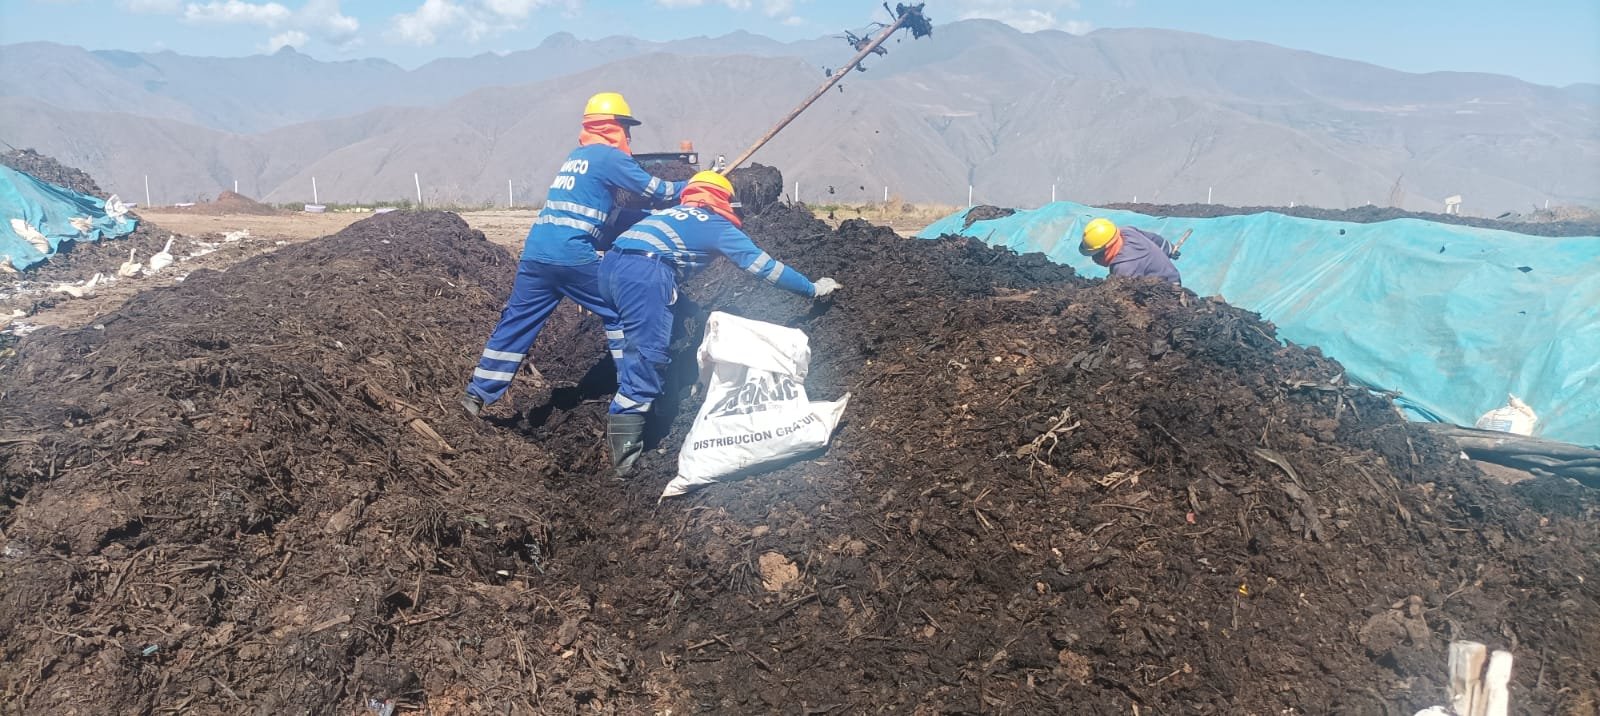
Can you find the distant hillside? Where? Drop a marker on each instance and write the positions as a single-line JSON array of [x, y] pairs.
[[1158, 115], [264, 92]]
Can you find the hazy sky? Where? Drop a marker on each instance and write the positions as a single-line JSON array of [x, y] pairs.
[[1546, 41]]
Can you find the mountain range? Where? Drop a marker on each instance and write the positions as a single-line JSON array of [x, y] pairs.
[[1160, 115]]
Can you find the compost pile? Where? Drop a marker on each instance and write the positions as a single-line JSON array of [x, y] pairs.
[[76, 261], [228, 203], [46, 168], [253, 491], [1557, 224]]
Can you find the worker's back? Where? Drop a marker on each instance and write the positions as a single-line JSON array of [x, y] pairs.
[[1144, 255], [691, 237], [580, 202]]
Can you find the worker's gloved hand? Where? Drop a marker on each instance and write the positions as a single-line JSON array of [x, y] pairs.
[[1177, 255], [824, 286]]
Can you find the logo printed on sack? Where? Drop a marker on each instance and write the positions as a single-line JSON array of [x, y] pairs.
[[760, 388]]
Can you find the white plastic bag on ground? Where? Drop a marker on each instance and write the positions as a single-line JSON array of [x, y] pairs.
[[1516, 417], [756, 412]]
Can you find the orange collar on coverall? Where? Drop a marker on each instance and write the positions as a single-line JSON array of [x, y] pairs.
[[1105, 255], [604, 129], [714, 198]]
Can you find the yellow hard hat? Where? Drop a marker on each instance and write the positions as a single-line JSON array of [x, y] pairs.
[[613, 104], [714, 179], [1097, 235]]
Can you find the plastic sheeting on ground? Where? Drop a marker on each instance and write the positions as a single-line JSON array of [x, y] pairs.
[[1453, 317], [38, 217]]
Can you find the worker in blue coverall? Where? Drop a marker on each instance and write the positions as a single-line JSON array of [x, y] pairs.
[[561, 255], [1127, 251], [640, 276]]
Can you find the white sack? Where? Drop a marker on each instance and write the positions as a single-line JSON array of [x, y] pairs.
[[756, 411], [1516, 418]]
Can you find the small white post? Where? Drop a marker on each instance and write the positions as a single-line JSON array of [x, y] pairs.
[[1052, 193], [1208, 195], [969, 195], [511, 198], [418, 180], [314, 191], [1135, 198], [797, 192], [1291, 205], [236, 186], [1546, 203], [886, 197], [1465, 664], [147, 191], [1496, 685]]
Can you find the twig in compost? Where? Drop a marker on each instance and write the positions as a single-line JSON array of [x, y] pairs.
[[1296, 491]]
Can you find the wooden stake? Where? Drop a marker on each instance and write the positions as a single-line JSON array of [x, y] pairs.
[[1496, 699], [1466, 669]]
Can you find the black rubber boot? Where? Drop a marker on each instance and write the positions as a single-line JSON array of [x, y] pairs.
[[625, 436]]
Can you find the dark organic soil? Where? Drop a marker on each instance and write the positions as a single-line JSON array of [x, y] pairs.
[[48, 169], [229, 203], [1367, 215], [985, 212], [672, 171], [253, 491], [756, 187]]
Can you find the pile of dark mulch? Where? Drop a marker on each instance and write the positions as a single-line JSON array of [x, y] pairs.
[[1050, 490], [1367, 215], [47, 169], [1046, 491], [252, 490], [985, 212]]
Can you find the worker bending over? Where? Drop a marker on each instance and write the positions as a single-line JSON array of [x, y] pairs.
[[1127, 251], [561, 255], [640, 276]]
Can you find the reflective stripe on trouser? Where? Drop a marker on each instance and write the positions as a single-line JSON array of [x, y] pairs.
[[538, 290], [642, 290]]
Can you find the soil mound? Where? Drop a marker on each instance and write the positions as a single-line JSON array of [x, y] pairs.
[[229, 203], [48, 169], [1371, 215], [254, 490], [244, 495], [1049, 488], [984, 212]]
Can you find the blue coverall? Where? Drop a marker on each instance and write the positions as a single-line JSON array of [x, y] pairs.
[[1144, 253], [560, 258], [640, 275]]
